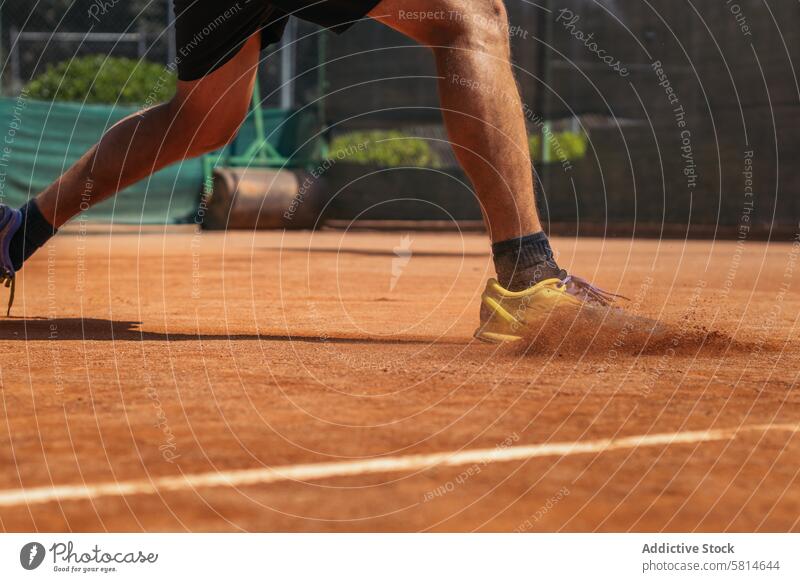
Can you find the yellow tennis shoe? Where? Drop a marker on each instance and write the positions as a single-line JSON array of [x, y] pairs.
[[505, 315]]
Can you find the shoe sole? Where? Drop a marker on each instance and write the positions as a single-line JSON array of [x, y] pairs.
[[491, 337]]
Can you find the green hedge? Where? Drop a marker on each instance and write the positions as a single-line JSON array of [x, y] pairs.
[[394, 148], [104, 80], [387, 149], [563, 146]]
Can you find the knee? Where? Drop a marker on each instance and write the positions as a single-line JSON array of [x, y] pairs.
[[205, 129], [483, 27]]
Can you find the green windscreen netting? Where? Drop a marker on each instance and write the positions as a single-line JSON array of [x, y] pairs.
[[40, 140]]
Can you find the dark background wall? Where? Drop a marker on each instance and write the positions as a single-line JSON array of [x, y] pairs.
[[738, 88]]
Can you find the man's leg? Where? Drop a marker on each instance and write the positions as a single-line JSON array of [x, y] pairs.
[[483, 113], [203, 116]]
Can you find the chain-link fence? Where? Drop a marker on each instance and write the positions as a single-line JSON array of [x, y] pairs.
[[64, 84], [42, 33], [677, 101], [35, 35]]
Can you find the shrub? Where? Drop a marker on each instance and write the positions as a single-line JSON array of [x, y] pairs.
[[383, 148], [563, 146], [98, 79]]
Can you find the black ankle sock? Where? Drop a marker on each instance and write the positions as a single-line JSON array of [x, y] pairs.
[[34, 232], [522, 262]]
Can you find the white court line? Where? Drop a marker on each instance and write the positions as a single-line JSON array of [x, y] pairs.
[[408, 463]]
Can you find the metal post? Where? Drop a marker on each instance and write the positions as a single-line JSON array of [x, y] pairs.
[[288, 64], [547, 79], [141, 44], [172, 48], [573, 92], [322, 74], [15, 65], [258, 116], [1, 48], [322, 90]]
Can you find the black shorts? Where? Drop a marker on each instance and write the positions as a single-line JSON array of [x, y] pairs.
[[209, 33]]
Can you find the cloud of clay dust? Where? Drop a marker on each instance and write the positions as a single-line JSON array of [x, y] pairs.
[[597, 332]]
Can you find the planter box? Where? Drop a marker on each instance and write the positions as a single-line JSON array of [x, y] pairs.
[[358, 192]]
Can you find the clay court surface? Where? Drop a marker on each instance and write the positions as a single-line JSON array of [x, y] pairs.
[[171, 381]]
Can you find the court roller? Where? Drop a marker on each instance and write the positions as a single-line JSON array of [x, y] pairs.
[[263, 199]]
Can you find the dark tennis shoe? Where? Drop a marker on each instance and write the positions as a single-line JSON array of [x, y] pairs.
[[10, 223]]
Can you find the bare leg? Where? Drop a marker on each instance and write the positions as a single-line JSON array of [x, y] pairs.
[[203, 116], [480, 100]]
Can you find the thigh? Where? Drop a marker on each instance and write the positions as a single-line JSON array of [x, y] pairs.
[[223, 96]]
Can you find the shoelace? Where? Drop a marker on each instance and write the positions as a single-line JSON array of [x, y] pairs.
[[582, 288]]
